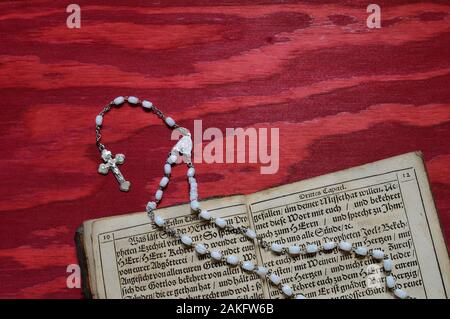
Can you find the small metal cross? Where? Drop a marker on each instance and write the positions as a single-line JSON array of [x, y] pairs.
[[111, 164]]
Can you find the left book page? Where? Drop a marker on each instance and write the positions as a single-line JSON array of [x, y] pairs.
[[128, 257]]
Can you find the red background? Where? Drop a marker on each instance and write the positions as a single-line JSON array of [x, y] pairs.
[[340, 93]]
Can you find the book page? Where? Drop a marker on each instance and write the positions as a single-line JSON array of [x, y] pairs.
[[384, 205], [134, 259]]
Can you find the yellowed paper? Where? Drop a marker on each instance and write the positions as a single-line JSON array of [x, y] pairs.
[[383, 205]]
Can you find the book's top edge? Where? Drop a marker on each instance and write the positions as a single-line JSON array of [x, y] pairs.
[[409, 154]]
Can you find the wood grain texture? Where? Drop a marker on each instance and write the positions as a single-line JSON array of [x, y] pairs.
[[340, 93]]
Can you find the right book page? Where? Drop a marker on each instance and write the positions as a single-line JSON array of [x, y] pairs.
[[384, 205]]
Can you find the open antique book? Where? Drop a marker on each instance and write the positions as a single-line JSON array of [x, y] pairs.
[[387, 204]]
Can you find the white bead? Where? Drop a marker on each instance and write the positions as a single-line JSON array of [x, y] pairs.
[[133, 100], [151, 206], [193, 196], [192, 180], [167, 169], [158, 194], [274, 279], [401, 293], [361, 251], [193, 186], [248, 265], [205, 215], [387, 265], [159, 220], [377, 254], [345, 246], [172, 159], [216, 255], [390, 282], [300, 296], [119, 100], [312, 249], [185, 239], [329, 246], [190, 172], [261, 271], [250, 233], [294, 250], [147, 104], [287, 290], [170, 121], [220, 222], [232, 260], [200, 249], [99, 120], [276, 248], [164, 181], [195, 205]]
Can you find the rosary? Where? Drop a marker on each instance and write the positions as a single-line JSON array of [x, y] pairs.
[[183, 148]]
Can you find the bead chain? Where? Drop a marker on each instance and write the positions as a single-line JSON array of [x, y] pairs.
[[232, 260]]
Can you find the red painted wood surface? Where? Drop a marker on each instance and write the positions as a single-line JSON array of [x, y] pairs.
[[340, 93]]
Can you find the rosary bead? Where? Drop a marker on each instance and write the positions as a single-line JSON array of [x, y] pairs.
[[151, 206], [294, 250], [193, 186], [190, 172], [119, 100], [287, 290], [164, 181], [299, 296], [261, 271], [185, 239], [345, 246], [193, 196], [250, 233], [200, 249], [147, 104], [133, 100], [167, 169], [158, 194], [170, 121], [312, 249], [390, 282], [216, 255], [159, 221], [387, 265], [220, 222], [195, 205], [232, 260], [361, 251], [99, 120], [275, 279], [205, 215], [378, 254], [329, 246], [248, 265], [172, 159], [401, 293], [192, 180], [276, 248]]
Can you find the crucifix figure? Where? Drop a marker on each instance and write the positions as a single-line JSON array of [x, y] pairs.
[[111, 164]]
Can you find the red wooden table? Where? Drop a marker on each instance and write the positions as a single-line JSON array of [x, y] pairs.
[[340, 93]]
